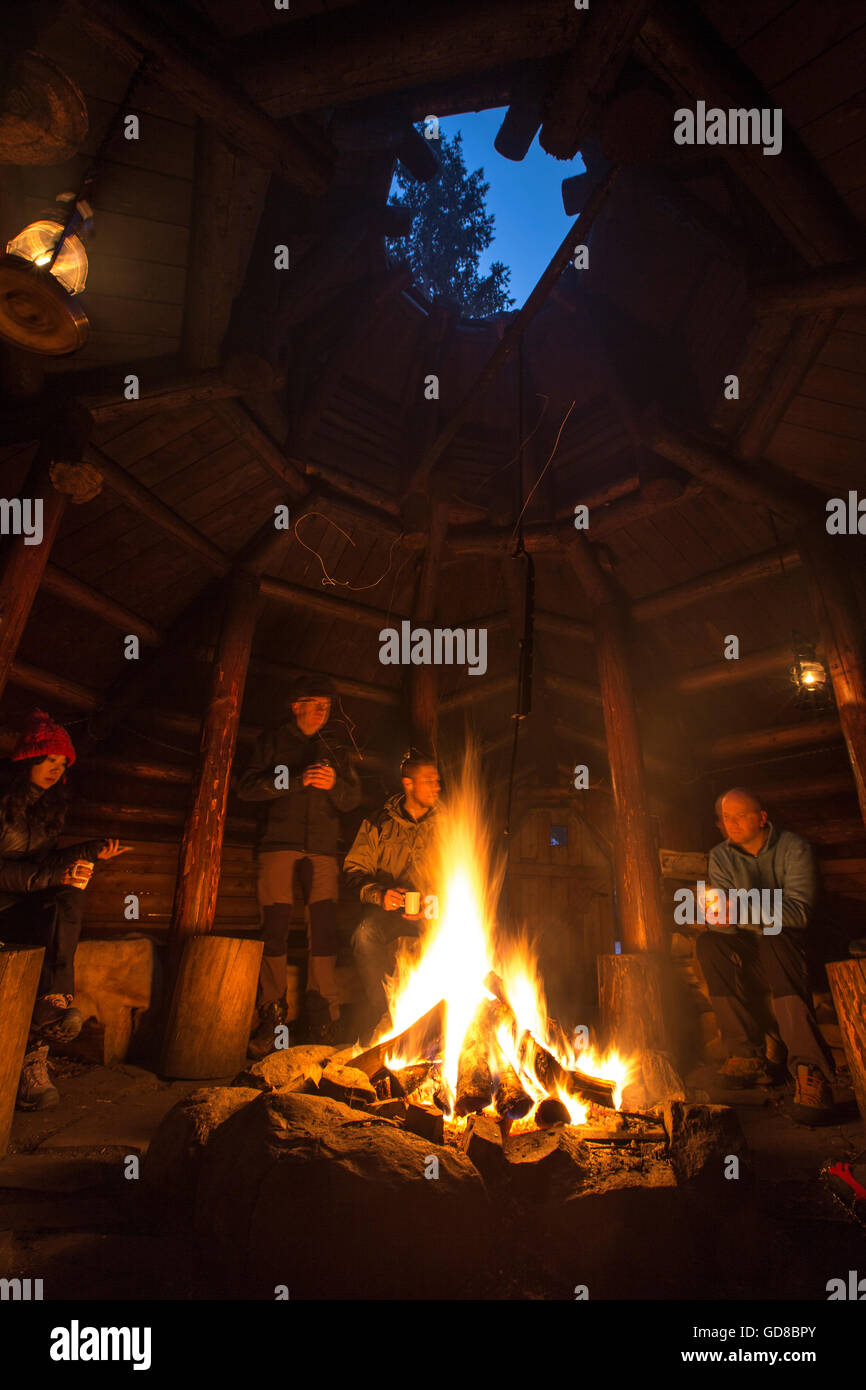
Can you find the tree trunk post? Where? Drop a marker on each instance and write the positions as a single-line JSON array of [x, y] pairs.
[[841, 634], [423, 679], [198, 871], [26, 561], [637, 870]]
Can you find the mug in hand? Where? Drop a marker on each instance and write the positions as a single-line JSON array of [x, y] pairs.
[[80, 872], [412, 904]]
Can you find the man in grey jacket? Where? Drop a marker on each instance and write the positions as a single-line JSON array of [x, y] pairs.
[[392, 855], [762, 894]]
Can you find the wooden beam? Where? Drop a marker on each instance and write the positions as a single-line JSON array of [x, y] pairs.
[[267, 451], [98, 605], [26, 558], [573, 688], [772, 661], [510, 338], [478, 690], [557, 625], [711, 461], [677, 44], [344, 609], [142, 500], [637, 872], [589, 72], [829, 287], [768, 564], [345, 55], [777, 382], [296, 155], [841, 627], [228, 198], [734, 749], [198, 871], [52, 687], [177, 391]]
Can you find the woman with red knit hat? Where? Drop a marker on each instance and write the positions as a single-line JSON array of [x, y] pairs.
[[41, 889]]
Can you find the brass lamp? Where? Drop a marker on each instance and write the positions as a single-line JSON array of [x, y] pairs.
[[809, 675], [44, 269]]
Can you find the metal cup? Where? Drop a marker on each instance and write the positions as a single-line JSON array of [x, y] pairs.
[[412, 904], [80, 873]]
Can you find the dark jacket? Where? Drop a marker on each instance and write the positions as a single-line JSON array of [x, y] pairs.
[[299, 817], [393, 851], [30, 860], [785, 862]]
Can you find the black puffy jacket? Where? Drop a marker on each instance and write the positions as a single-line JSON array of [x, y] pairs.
[[30, 859], [299, 817]]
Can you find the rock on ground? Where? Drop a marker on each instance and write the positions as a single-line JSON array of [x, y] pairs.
[[285, 1067], [300, 1191], [171, 1164]]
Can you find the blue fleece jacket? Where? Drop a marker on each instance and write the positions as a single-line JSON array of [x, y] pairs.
[[785, 862]]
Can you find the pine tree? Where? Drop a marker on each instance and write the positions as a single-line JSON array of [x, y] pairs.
[[450, 229]]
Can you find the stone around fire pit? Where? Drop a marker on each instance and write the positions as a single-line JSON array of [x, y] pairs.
[[285, 1068], [171, 1164], [299, 1190]]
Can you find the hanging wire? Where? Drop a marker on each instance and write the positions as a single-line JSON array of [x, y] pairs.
[[95, 166], [342, 583]]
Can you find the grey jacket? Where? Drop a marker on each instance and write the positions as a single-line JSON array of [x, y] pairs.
[[785, 862], [393, 851]]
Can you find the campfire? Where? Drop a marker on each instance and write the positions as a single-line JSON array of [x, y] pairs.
[[468, 1033]]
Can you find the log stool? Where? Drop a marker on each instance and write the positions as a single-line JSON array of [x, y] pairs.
[[208, 1017], [19, 979]]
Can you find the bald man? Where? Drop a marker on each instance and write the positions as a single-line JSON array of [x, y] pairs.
[[757, 946]]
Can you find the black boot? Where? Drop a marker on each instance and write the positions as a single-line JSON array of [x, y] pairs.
[[318, 1026], [263, 1041]]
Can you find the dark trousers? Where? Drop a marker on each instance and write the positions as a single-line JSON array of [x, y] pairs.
[[740, 968], [51, 918], [375, 944], [316, 876]]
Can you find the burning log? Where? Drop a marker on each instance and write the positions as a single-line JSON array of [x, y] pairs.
[[474, 1082], [408, 1079], [510, 1099], [551, 1112], [424, 1035], [551, 1074]]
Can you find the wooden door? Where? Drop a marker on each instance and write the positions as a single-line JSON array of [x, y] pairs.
[[559, 890]]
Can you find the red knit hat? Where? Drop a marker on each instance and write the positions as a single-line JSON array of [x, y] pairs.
[[43, 738]]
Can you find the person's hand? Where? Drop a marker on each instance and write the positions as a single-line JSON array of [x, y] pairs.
[[319, 775], [112, 849], [715, 907], [394, 898]]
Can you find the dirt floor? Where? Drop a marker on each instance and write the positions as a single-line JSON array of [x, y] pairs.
[[70, 1215]]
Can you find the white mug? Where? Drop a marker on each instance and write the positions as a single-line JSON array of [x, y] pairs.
[[80, 873], [412, 904]]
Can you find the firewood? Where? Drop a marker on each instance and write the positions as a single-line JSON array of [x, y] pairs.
[[622, 1137], [552, 1075], [394, 1109], [424, 1035], [509, 1098], [474, 1082], [551, 1112], [425, 1122], [408, 1079], [346, 1084], [482, 1142]]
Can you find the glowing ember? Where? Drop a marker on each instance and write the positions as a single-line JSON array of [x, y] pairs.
[[452, 961]]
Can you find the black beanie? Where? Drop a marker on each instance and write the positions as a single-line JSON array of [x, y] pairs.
[[312, 687]]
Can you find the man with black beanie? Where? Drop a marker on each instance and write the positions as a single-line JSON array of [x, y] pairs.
[[307, 779]]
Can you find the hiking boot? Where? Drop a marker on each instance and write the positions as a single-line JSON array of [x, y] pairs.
[[318, 1025], [263, 1041], [813, 1097], [740, 1073], [858, 947], [35, 1091], [55, 1019]]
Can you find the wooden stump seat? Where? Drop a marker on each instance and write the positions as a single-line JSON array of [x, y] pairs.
[[113, 983]]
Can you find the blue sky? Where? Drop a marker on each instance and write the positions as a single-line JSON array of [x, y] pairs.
[[525, 198]]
